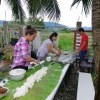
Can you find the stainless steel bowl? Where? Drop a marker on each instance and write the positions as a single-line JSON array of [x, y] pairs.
[[17, 74]]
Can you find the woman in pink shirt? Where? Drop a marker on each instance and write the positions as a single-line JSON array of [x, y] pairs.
[[22, 56]]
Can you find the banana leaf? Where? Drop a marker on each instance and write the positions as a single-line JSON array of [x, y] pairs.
[[42, 89]]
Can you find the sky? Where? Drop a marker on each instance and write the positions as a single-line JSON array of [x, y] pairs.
[[69, 16]]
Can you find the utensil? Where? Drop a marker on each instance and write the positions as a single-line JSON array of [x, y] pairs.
[[3, 82]]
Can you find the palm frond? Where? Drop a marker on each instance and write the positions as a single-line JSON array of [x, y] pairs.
[[33, 6], [49, 8], [86, 5], [52, 9], [17, 10]]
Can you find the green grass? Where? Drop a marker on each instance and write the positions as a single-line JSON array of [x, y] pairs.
[[66, 40], [44, 36]]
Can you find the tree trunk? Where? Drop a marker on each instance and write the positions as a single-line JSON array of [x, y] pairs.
[[96, 39]]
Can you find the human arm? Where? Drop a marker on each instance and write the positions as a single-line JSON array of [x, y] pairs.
[[25, 54], [77, 51], [55, 46], [49, 46], [30, 59]]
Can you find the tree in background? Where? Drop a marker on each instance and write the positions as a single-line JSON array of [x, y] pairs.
[[15, 24], [35, 21], [94, 5], [65, 30], [44, 8]]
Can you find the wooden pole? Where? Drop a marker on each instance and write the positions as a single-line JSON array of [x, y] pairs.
[[78, 25], [74, 40], [97, 92], [5, 15], [5, 28]]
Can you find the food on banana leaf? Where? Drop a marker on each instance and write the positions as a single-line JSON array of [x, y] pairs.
[[30, 81], [61, 57], [65, 52], [67, 60]]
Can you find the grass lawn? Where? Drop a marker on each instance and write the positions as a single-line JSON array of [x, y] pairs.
[[66, 40]]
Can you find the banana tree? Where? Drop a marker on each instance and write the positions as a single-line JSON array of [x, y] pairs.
[[44, 8], [94, 5]]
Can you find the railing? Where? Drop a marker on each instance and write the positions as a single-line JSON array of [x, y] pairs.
[[45, 32], [10, 34]]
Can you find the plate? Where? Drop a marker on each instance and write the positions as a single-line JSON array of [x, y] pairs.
[[51, 54], [1, 96], [65, 52]]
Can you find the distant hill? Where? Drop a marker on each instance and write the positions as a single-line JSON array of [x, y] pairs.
[[61, 25], [1, 22], [85, 28], [54, 24]]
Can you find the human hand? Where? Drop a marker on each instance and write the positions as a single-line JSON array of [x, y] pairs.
[[60, 52], [37, 62], [77, 51], [57, 53]]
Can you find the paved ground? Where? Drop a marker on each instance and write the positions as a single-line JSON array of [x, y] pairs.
[[70, 92]]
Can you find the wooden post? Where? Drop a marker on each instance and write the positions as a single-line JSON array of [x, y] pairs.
[[22, 31], [58, 36], [78, 25], [97, 91], [74, 40], [5, 28]]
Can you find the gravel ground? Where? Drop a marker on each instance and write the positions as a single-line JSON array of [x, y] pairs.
[[70, 91]]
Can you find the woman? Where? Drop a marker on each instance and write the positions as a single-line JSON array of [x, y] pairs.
[[22, 56], [46, 47]]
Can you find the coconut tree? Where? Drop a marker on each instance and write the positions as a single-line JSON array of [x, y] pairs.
[[44, 8], [95, 5]]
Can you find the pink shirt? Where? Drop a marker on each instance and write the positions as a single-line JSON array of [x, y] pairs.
[[21, 52]]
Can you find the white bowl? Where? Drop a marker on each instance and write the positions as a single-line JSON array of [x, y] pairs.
[[17, 74], [48, 59]]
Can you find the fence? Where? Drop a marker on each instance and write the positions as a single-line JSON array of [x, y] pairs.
[[45, 32]]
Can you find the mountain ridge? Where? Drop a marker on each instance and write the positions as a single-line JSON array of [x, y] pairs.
[[56, 24]]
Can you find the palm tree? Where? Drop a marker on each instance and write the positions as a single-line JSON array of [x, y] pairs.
[[44, 8], [95, 5]]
